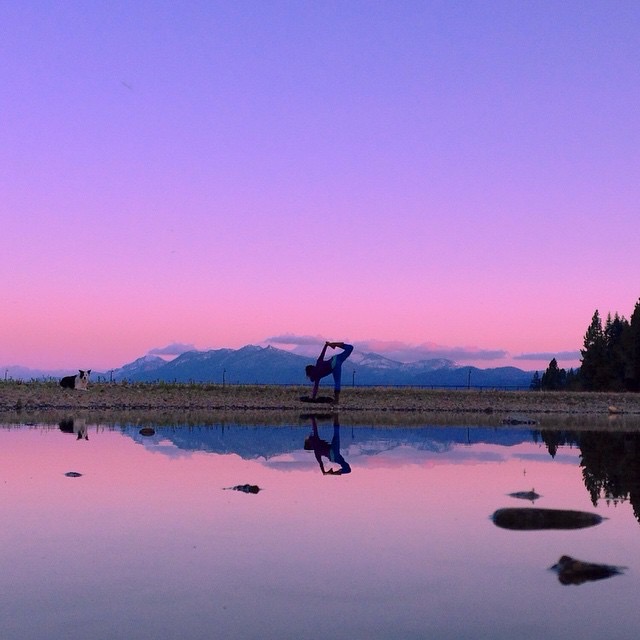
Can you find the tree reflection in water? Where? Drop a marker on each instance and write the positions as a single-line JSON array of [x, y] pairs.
[[610, 463]]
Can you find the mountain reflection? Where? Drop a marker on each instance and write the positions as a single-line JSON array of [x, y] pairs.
[[610, 460], [263, 441], [610, 463]]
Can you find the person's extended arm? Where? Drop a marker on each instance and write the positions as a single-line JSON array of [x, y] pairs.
[[319, 459], [324, 350]]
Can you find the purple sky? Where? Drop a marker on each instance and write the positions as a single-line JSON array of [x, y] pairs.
[[456, 179]]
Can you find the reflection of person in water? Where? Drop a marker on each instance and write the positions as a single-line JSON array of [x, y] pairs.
[[315, 372], [331, 450]]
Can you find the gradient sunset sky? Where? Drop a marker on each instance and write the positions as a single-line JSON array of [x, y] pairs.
[[420, 178]]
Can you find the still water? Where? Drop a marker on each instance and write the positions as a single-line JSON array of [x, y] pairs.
[[394, 540]]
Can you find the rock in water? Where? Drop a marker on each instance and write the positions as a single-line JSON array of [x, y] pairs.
[[572, 571], [245, 488], [525, 495], [530, 518]]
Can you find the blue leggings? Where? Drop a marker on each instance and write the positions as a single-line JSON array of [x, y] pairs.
[[336, 365], [335, 455]]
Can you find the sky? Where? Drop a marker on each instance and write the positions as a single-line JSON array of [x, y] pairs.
[[419, 178]]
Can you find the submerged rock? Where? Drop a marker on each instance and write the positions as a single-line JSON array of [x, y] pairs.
[[516, 420], [245, 488], [525, 495], [572, 571], [147, 431], [318, 399], [530, 518]]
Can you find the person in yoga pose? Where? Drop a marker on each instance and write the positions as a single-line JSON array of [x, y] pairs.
[[315, 372]]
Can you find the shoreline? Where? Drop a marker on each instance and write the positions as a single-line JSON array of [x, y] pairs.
[[276, 404]]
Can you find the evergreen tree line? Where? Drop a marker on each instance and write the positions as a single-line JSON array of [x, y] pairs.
[[610, 463], [610, 358]]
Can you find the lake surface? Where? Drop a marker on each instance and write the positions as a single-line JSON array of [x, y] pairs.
[[398, 542]]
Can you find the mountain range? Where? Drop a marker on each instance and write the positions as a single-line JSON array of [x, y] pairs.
[[268, 365]]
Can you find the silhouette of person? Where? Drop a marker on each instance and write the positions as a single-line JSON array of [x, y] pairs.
[[330, 450], [315, 372]]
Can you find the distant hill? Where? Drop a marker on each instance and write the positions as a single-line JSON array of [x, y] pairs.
[[268, 365], [17, 372]]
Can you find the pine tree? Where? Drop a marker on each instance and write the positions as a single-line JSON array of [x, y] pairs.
[[535, 382], [573, 381], [614, 332], [631, 341], [554, 378], [593, 371]]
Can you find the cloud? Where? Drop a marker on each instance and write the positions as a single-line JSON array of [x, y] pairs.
[[173, 349], [296, 341], [404, 352], [392, 349], [549, 355]]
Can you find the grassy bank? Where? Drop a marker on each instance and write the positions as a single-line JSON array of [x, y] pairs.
[[197, 402]]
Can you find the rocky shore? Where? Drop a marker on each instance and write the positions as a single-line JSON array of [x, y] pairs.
[[34, 401]]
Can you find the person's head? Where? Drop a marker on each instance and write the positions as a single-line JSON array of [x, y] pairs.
[[310, 371], [308, 443]]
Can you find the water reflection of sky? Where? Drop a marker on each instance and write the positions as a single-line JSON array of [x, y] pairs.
[[147, 544]]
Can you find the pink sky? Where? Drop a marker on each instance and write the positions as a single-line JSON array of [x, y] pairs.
[[461, 177]]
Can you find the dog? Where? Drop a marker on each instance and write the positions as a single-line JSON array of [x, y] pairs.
[[80, 381], [77, 427]]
